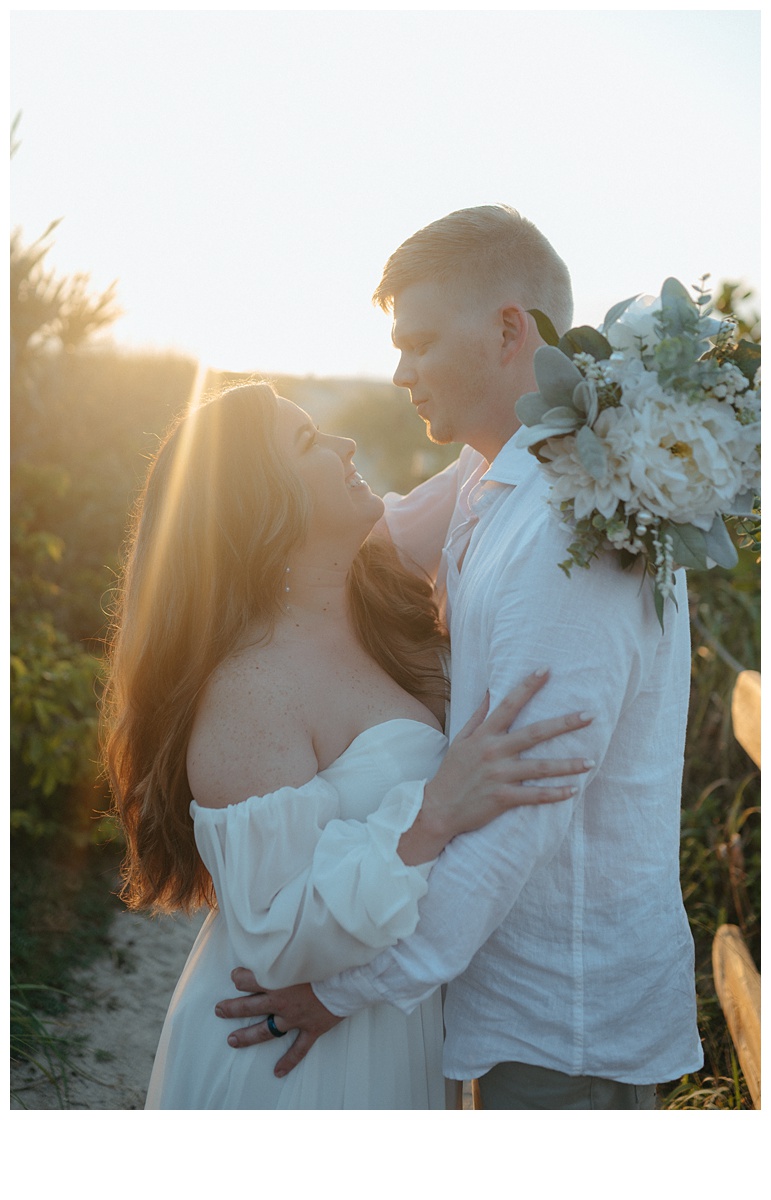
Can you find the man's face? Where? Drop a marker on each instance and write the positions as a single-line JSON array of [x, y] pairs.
[[450, 360]]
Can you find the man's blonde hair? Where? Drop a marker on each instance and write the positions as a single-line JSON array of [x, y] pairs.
[[486, 249]]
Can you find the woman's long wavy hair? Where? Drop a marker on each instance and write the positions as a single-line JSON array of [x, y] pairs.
[[219, 515]]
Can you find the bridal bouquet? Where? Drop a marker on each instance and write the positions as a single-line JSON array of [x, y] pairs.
[[649, 429]]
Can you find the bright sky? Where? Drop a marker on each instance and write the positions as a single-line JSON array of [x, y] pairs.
[[245, 174]]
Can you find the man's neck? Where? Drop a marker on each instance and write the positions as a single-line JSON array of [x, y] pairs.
[[489, 442]]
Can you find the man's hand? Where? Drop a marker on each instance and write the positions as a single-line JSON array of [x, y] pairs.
[[292, 1008]]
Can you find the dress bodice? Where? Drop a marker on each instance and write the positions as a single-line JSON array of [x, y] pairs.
[[309, 879], [380, 758]]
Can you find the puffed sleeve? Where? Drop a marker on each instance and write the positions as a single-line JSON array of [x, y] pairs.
[[303, 893]]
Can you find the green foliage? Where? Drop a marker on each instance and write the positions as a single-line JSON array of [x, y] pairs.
[[585, 340], [734, 300], [53, 718], [33, 1041], [61, 908], [720, 847]]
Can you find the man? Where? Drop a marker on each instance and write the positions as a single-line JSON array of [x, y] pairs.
[[561, 929]]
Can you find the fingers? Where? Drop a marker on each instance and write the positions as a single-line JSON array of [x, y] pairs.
[[244, 1006], [541, 731], [476, 719], [523, 797], [244, 980], [250, 1035], [254, 1035], [521, 769], [295, 1054], [503, 717]]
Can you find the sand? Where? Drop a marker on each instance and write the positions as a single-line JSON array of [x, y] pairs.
[[119, 1007]]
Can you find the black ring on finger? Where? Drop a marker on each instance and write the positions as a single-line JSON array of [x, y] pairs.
[[273, 1028]]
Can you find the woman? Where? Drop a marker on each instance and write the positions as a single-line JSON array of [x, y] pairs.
[[280, 680]]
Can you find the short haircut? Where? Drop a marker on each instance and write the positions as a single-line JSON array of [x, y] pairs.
[[486, 249]]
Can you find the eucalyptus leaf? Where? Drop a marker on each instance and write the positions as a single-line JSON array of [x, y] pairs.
[[592, 453], [617, 311], [720, 548], [673, 292], [689, 545], [678, 306], [557, 376], [544, 326], [585, 340]]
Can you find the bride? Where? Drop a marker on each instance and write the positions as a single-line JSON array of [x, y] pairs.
[[276, 688]]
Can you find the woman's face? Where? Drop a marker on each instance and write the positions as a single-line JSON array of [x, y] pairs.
[[342, 504]]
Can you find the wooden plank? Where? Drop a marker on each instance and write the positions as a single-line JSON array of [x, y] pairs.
[[737, 984], [745, 713]]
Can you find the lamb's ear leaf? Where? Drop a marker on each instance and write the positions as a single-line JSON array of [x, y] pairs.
[[592, 453], [531, 407], [557, 376]]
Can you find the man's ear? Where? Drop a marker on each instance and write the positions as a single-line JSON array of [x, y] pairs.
[[514, 329]]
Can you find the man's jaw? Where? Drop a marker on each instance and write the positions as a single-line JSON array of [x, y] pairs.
[[421, 406]]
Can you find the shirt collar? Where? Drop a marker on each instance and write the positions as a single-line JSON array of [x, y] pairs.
[[511, 465]]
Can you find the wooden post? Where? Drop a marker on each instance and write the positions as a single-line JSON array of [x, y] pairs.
[[745, 713], [737, 984]]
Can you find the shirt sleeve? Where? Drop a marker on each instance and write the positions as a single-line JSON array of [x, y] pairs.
[[478, 877], [418, 523], [303, 892]]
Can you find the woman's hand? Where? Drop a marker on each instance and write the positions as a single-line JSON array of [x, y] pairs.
[[483, 774]]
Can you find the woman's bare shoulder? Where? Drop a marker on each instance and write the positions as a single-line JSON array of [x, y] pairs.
[[249, 735]]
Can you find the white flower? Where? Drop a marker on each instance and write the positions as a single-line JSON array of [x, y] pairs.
[[690, 460], [639, 386], [635, 330], [748, 407], [573, 482]]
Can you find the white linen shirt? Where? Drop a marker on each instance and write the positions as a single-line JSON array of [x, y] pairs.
[[561, 927]]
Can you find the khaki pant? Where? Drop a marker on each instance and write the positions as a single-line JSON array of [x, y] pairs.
[[519, 1085]]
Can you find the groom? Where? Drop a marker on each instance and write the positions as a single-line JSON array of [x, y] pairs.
[[561, 928]]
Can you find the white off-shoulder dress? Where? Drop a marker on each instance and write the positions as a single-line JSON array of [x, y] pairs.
[[308, 882]]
